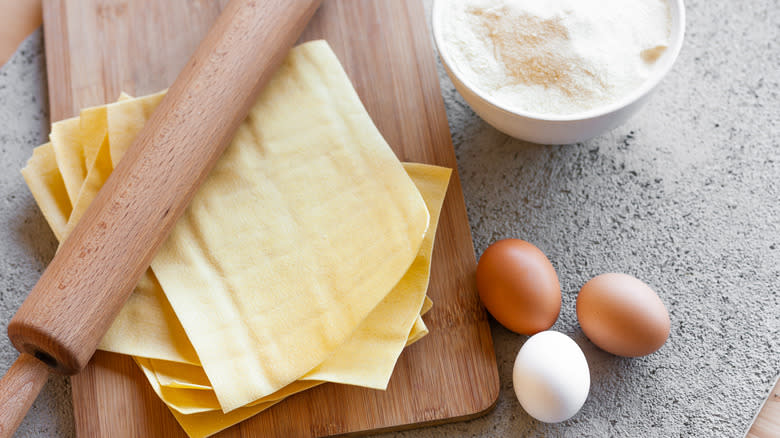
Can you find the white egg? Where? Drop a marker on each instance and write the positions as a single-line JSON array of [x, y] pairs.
[[551, 377]]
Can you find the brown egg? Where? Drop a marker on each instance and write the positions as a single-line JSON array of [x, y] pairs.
[[518, 286], [622, 315]]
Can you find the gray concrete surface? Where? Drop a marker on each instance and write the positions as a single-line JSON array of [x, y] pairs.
[[685, 196]]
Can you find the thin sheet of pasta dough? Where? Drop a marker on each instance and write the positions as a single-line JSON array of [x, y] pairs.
[[179, 375], [419, 330], [367, 359], [427, 305], [93, 128], [186, 389], [206, 423], [45, 182], [187, 376], [65, 139], [190, 401], [96, 177], [303, 226], [148, 327], [125, 121], [371, 354], [93, 134], [186, 404]]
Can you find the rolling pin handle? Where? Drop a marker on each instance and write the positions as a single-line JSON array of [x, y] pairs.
[[18, 390]]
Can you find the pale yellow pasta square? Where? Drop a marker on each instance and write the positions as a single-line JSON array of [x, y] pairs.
[[45, 182], [304, 225], [65, 139], [367, 359]]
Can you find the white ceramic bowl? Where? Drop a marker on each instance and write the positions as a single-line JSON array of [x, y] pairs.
[[566, 129]]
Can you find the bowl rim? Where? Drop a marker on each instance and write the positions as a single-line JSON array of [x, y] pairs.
[[677, 34]]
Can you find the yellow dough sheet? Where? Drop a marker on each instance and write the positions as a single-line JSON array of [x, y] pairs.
[[377, 347], [303, 226], [210, 422], [93, 129], [198, 410], [187, 376], [428, 304], [419, 330], [125, 121], [98, 174], [190, 401], [179, 375], [368, 358], [45, 182], [147, 326], [65, 138]]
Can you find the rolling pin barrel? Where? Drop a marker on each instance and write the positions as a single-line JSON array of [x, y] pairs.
[[96, 268]]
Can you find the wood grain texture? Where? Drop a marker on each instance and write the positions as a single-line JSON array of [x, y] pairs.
[[767, 421], [385, 48], [19, 388]]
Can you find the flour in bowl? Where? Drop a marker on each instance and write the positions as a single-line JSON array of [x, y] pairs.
[[556, 57]]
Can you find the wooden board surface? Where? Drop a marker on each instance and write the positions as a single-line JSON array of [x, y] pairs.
[[97, 48]]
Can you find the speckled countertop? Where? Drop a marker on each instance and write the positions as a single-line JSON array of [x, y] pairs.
[[685, 196]]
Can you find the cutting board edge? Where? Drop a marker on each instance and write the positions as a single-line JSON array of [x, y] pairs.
[[424, 424]]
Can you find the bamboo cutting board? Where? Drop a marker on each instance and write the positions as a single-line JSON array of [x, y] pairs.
[[97, 48]]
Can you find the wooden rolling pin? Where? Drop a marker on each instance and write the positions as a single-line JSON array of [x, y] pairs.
[[78, 296]]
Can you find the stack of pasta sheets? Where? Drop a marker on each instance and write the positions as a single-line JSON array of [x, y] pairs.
[[304, 257]]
